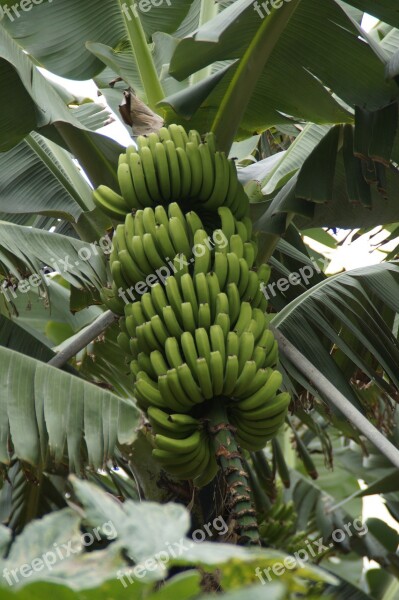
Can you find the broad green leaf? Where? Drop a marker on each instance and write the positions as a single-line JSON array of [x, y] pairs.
[[24, 250], [48, 415], [189, 100], [244, 149], [38, 106], [383, 9], [121, 62], [275, 591], [33, 310], [182, 586], [385, 534], [258, 171], [322, 158], [39, 177], [297, 63], [321, 236], [294, 157], [92, 115], [384, 485], [313, 321], [55, 33], [14, 337], [317, 509], [344, 210], [146, 529], [59, 546], [23, 499], [347, 591], [105, 361]]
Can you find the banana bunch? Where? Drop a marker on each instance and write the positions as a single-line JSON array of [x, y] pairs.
[[149, 240], [188, 302], [279, 523], [153, 241], [182, 446], [185, 352], [171, 165], [260, 423], [200, 334], [185, 374]]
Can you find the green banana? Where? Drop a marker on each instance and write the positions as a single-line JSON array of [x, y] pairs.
[[228, 223], [150, 175], [189, 384], [263, 395], [126, 186], [182, 446], [201, 288], [201, 251], [194, 223], [231, 375], [172, 353], [171, 322], [188, 292], [204, 378], [176, 182], [110, 202], [217, 372], [185, 174], [204, 316], [208, 181], [162, 170], [194, 157], [139, 180]]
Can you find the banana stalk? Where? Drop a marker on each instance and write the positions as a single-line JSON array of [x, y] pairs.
[[238, 500]]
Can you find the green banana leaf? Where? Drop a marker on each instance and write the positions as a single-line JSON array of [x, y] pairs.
[[314, 502], [384, 10], [348, 202], [352, 302], [145, 528], [23, 499], [14, 337], [69, 24], [39, 177], [121, 527], [105, 361], [25, 251], [38, 315], [120, 62], [37, 106], [273, 172], [298, 62], [49, 417]]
